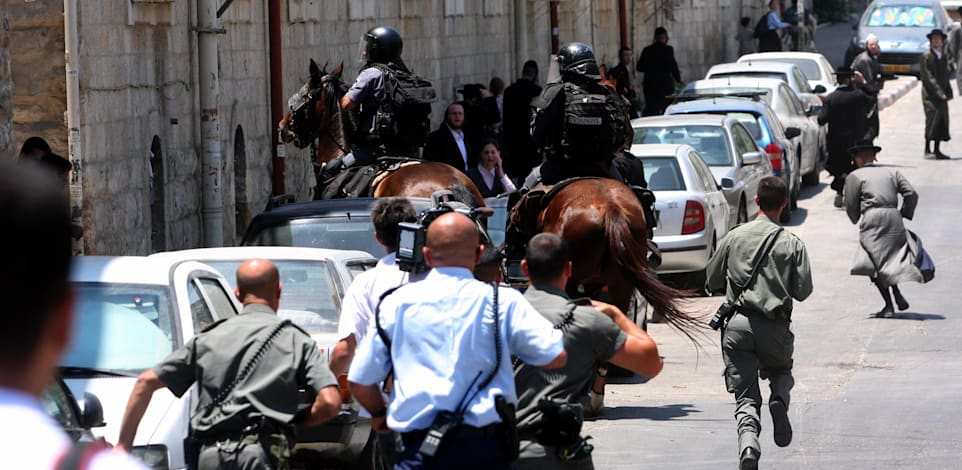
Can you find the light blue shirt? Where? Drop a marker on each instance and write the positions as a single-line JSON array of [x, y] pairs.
[[774, 22], [442, 337]]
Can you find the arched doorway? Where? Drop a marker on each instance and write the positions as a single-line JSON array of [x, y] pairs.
[[158, 221], [242, 213]]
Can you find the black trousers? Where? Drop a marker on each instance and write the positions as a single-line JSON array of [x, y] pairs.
[[467, 448]]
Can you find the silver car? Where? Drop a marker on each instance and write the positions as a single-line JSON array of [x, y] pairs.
[[786, 72], [777, 95], [813, 65], [692, 210], [901, 27], [734, 158]]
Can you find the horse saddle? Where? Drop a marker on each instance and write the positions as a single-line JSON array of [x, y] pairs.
[[362, 180]]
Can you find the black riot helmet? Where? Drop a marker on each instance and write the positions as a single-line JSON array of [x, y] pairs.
[[382, 44], [578, 58]]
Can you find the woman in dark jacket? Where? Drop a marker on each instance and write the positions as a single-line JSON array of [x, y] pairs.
[[488, 176]]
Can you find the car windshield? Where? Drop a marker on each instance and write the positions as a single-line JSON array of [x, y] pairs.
[[663, 174], [755, 125], [808, 67], [121, 327], [710, 141], [356, 233], [751, 74], [764, 94], [912, 16], [309, 297]]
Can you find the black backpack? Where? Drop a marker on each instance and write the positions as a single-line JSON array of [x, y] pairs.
[[761, 28], [594, 121], [404, 116]]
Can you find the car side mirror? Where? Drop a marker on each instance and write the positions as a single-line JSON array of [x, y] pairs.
[[727, 183], [792, 132], [813, 110], [820, 89], [751, 158], [92, 415]]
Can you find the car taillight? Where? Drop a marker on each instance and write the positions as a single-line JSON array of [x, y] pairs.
[[694, 218], [774, 155]]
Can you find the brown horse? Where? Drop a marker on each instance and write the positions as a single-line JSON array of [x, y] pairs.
[[316, 115], [604, 225]]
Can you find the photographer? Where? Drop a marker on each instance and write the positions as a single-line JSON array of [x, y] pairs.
[[762, 270], [453, 387], [550, 404]]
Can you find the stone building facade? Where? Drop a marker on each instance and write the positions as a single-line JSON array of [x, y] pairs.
[[138, 67]]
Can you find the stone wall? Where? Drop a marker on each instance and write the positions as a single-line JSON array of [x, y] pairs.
[[7, 147], [39, 84]]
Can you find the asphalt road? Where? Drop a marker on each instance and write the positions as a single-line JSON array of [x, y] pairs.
[[870, 393]]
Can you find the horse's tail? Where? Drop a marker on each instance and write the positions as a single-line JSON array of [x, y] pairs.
[[627, 250]]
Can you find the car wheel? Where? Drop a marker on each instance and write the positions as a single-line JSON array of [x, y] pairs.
[[742, 213], [810, 179]]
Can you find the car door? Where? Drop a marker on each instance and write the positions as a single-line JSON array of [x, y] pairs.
[[749, 174], [809, 128], [718, 206]]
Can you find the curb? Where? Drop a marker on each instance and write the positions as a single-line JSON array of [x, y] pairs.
[[892, 96]]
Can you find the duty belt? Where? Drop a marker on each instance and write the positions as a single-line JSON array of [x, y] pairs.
[[260, 426], [463, 432]]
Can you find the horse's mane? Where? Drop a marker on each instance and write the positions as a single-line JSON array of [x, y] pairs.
[[463, 194]]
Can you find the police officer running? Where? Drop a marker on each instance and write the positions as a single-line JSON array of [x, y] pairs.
[[762, 269], [448, 340], [248, 369], [550, 403], [380, 131]]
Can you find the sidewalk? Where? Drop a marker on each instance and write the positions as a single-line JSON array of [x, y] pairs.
[[895, 89]]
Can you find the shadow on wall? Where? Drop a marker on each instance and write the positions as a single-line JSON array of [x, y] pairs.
[[158, 220], [242, 212]]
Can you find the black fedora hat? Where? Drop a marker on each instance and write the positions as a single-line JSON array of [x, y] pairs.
[[934, 32], [864, 146], [844, 71]]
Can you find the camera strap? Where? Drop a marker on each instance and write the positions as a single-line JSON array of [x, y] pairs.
[[760, 255]]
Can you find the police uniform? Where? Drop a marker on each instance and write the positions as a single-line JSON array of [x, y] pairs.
[[758, 341], [261, 407], [441, 332], [367, 91], [590, 338]]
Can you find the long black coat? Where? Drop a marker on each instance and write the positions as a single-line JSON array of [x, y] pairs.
[[519, 153], [934, 73], [844, 111], [657, 62]]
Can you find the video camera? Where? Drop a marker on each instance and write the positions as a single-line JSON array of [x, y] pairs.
[[411, 235]]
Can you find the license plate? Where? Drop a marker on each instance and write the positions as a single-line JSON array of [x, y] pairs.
[[897, 68]]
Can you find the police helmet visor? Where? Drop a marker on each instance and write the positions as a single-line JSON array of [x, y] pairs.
[[362, 50]]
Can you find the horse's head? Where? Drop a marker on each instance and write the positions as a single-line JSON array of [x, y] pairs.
[[313, 106]]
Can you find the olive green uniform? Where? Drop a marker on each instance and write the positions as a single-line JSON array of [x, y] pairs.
[[758, 340], [251, 427]]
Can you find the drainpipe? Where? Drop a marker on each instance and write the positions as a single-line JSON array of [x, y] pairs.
[[520, 34], [555, 30], [211, 159], [74, 149], [277, 94], [623, 23]]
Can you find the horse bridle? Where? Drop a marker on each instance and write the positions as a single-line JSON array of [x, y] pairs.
[[326, 85]]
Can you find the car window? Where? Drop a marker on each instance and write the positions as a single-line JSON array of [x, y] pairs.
[[751, 73], [701, 169], [663, 174], [743, 142], [56, 402], [808, 67], [802, 81], [696, 163], [710, 141], [829, 77], [752, 123], [123, 327], [358, 267], [791, 102], [310, 297], [199, 310], [219, 299], [338, 233], [764, 94], [913, 16]]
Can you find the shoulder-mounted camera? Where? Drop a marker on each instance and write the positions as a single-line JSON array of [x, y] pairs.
[[411, 235]]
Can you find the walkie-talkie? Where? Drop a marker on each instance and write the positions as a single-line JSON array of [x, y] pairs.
[[443, 423]]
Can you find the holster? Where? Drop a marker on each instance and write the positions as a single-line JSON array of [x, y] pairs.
[[508, 427]]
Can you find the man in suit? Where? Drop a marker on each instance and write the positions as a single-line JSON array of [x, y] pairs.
[[657, 62], [520, 154], [449, 144]]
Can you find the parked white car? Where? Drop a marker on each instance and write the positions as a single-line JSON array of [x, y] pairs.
[[816, 68], [692, 210], [313, 281], [131, 313]]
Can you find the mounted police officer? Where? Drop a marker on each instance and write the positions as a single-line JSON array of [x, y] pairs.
[[392, 105], [248, 370], [578, 124]]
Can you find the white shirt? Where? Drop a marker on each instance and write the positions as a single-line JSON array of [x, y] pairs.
[[459, 139], [31, 439], [488, 177], [442, 337]]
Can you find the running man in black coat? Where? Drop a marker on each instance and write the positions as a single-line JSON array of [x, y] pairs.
[[844, 111]]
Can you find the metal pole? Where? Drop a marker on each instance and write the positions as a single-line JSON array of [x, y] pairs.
[[211, 158], [555, 29], [277, 94], [74, 149], [623, 23]]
